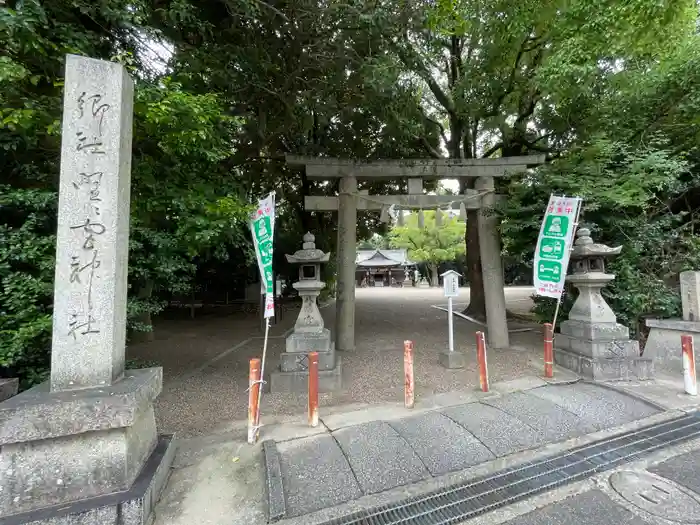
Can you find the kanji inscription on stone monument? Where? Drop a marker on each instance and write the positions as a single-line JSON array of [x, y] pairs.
[[89, 327]]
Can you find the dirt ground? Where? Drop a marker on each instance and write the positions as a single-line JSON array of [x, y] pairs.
[[205, 360]]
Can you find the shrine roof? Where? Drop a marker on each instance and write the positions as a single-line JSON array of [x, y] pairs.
[[376, 258]]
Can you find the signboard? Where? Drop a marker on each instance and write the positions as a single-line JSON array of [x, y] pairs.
[[262, 226], [450, 283], [554, 245]]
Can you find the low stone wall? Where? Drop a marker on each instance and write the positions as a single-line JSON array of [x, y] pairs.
[[664, 341], [8, 388]]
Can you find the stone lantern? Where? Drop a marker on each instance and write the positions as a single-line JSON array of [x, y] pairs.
[[592, 343], [309, 334]]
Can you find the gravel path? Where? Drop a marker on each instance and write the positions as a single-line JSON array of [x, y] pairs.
[[206, 360]]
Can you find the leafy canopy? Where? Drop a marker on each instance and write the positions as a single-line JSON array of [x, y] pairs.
[[432, 243]]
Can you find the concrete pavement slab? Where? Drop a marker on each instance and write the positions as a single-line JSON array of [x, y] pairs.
[[683, 469], [380, 458], [315, 475], [499, 431], [442, 445], [589, 508], [552, 420], [634, 408], [602, 407]]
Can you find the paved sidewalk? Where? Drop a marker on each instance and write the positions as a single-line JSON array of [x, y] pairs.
[[347, 463], [352, 460]]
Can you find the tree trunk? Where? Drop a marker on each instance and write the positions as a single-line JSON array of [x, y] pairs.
[[138, 336], [434, 278], [473, 273]]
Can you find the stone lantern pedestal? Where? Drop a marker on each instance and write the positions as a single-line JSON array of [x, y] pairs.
[[309, 334], [592, 343]]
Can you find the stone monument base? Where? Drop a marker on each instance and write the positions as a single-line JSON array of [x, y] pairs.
[[8, 388], [600, 351], [664, 342], [305, 342], [130, 507], [298, 380], [605, 368], [449, 359], [73, 446], [292, 362]]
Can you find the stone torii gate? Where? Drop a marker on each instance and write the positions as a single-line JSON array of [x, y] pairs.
[[349, 200]]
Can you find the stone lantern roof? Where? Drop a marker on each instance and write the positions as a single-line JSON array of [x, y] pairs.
[[584, 247], [308, 253]]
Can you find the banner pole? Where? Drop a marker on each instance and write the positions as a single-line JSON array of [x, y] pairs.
[[262, 375], [263, 241]]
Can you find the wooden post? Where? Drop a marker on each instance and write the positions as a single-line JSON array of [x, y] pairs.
[[313, 389], [548, 350], [408, 373], [689, 377], [253, 389], [481, 358]]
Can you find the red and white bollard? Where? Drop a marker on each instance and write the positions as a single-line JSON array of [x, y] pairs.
[[689, 377], [481, 358], [548, 350], [313, 389], [408, 373], [253, 390]]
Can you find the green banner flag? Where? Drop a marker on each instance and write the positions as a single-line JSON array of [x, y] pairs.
[[554, 245], [262, 226]]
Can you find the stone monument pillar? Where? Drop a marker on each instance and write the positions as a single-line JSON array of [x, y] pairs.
[[90, 431], [309, 334], [592, 343], [664, 342], [8, 388]]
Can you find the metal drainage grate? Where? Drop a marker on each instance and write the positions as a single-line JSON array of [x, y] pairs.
[[466, 500]]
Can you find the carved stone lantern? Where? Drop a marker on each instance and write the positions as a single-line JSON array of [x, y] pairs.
[[592, 342], [309, 285], [309, 334]]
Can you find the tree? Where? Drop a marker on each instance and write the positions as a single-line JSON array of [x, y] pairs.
[[34, 38], [628, 196], [430, 243], [507, 79], [186, 205], [375, 242]]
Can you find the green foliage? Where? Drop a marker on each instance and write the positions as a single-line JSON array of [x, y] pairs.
[[588, 82], [628, 199], [184, 139], [187, 205], [375, 242], [430, 243], [27, 255]]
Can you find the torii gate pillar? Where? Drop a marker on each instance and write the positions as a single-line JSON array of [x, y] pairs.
[[492, 267], [347, 247]]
